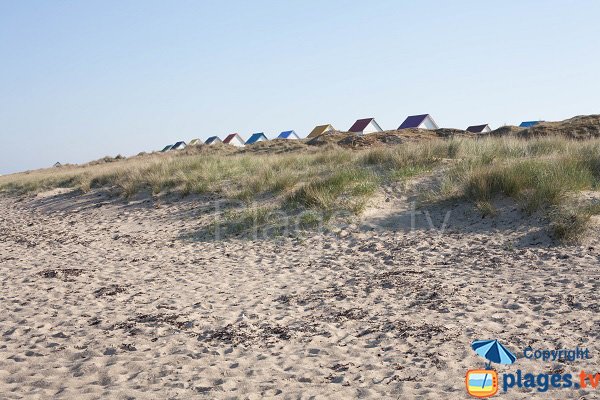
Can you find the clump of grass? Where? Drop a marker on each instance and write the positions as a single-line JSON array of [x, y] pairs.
[[406, 161], [408, 172], [425, 154], [340, 190], [486, 208], [247, 220], [569, 224], [310, 219], [534, 183], [85, 183], [541, 175]]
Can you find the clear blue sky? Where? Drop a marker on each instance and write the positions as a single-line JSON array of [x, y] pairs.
[[84, 79]]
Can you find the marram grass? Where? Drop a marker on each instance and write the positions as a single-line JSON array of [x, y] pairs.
[[542, 174]]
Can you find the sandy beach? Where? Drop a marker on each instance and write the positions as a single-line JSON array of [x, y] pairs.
[[108, 299], [309, 200]]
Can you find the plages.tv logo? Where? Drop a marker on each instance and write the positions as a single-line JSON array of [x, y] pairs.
[[483, 383]]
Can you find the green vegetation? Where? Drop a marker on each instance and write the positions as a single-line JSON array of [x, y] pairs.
[[542, 175]]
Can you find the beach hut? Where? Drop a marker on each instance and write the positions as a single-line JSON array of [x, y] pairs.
[[365, 126], [167, 148], [234, 139], [179, 146], [194, 142], [213, 140], [288, 135], [256, 137], [423, 121], [528, 124], [485, 128], [319, 130], [57, 165]]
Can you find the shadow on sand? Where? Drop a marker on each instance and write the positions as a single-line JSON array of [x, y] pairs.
[[440, 218], [448, 217]]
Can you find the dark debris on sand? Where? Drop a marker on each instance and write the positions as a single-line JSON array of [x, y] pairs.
[[64, 274], [111, 290], [417, 289], [263, 334], [131, 326], [246, 333]]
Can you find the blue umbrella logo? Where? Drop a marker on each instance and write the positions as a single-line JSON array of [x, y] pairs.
[[494, 352]]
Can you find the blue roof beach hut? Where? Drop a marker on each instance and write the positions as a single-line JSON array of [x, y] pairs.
[[256, 137]]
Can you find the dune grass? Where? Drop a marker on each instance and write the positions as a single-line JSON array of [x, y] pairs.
[[542, 175], [313, 180]]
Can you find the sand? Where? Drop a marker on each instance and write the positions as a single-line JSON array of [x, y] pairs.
[[107, 299]]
